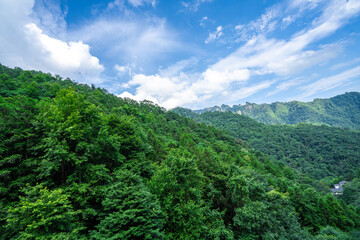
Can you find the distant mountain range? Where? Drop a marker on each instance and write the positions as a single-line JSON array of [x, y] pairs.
[[339, 111], [321, 152]]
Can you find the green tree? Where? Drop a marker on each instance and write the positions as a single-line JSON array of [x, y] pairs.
[[178, 185], [71, 125], [43, 214], [130, 211]]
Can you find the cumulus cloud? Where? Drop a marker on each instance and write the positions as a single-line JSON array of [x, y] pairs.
[[24, 44], [166, 91], [179, 90]]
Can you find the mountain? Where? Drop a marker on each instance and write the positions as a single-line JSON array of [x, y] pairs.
[[80, 163], [321, 152], [339, 111]]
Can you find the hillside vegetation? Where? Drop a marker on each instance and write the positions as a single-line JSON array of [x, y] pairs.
[[339, 111], [79, 163], [321, 152]]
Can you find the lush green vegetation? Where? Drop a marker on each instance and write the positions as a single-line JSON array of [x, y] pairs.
[[351, 194], [79, 163], [340, 111], [321, 152]]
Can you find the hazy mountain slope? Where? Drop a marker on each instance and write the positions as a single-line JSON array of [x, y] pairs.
[[339, 111], [319, 151]]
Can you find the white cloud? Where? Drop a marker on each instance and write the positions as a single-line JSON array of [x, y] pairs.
[[328, 83], [121, 70], [297, 62], [264, 24], [49, 16], [180, 90], [116, 4], [133, 41], [138, 3], [194, 5], [286, 21], [214, 35], [305, 4], [239, 27], [135, 3], [66, 57], [247, 91], [214, 81], [288, 57], [280, 15], [203, 20], [168, 92], [285, 85], [345, 64], [178, 68], [228, 79], [24, 44]]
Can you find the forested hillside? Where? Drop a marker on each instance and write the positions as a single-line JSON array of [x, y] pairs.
[[79, 163], [321, 152], [340, 111]]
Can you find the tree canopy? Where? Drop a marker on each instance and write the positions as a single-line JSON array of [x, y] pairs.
[[80, 163]]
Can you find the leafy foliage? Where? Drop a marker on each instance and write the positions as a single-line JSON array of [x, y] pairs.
[[80, 163], [351, 193], [130, 211], [42, 214]]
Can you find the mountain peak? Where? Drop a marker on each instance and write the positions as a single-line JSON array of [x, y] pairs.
[[338, 111]]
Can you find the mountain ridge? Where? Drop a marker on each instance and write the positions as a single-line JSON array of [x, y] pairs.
[[338, 111], [322, 152]]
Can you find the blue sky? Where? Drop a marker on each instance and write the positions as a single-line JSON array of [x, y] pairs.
[[191, 53]]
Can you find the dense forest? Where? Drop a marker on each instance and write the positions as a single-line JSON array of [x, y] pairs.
[[321, 152], [339, 111], [79, 163]]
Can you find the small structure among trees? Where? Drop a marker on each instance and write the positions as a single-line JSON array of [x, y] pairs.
[[338, 188]]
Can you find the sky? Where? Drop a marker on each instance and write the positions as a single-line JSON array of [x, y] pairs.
[[190, 53]]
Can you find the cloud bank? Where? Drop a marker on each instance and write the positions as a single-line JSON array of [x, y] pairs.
[[24, 44], [232, 77]]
